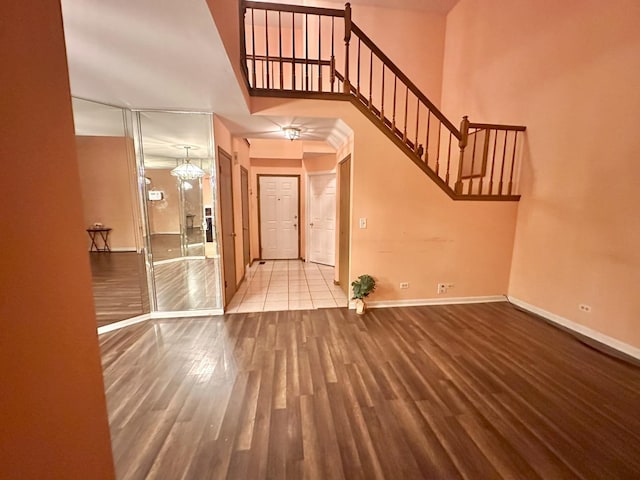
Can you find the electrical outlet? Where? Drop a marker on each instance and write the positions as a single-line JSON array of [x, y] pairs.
[[363, 223], [442, 288], [584, 308], [404, 284]]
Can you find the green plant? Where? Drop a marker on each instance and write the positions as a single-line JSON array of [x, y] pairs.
[[363, 286]]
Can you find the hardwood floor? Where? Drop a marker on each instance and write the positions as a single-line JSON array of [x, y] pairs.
[[119, 286], [445, 392], [188, 284], [167, 246]]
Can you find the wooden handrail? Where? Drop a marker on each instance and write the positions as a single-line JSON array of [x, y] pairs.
[[415, 124], [494, 126], [394, 68], [302, 61], [277, 7]]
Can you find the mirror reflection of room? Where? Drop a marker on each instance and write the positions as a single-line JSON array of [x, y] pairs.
[[111, 215], [178, 166]]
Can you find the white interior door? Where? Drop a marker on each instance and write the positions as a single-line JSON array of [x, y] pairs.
[[279, 217], [322, 218]]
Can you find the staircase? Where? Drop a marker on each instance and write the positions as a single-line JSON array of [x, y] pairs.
[[305, 52]]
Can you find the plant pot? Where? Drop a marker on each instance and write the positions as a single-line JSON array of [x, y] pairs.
[[360, 306]]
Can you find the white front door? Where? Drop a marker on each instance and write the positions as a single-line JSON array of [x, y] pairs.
[[322, 218], [279, 217]]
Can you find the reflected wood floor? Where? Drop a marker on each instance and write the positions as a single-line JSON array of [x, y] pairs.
[[119, 286], [187, 284], [445, 392], [166, 246]]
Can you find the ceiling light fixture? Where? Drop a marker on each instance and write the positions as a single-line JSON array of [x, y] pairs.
[[291, 133], [187, 170]]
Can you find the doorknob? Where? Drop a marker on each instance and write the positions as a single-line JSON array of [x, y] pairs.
[[311, 224], [234, 234]]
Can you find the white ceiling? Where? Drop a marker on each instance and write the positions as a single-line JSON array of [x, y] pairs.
[[168, 55], [149, 54], [96, 119]]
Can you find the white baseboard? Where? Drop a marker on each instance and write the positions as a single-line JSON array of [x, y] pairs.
[[124, 323], [178, 259], [149, 316], [432, 301], [188, 313], [578, 328]]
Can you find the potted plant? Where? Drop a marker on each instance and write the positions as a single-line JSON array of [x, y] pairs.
[[362, 287]]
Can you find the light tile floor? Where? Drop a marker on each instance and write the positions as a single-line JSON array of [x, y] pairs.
[[287, 285]]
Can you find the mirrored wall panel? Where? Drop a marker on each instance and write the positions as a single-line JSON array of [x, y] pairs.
[[177, 157], [110, 200]]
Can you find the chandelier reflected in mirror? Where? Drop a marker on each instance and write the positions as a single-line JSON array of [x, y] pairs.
[[187, 170]]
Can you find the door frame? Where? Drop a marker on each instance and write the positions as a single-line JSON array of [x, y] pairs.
[[258, 175], [307, 210], [246, 236], [221, 153], [341, 223]]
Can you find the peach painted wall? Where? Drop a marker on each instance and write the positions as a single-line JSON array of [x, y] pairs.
[[226, 16], [570, 71], [276, 148], [317, 147], [164, 215], [412, 39], [320, 163], [52, 407], [106, 190], [415, 233], [207, 199], [269, 166], [221, 136]]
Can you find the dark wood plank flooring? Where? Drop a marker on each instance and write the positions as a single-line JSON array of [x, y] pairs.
[[463, 391], [119, 286], [166, 246], [188, 284]]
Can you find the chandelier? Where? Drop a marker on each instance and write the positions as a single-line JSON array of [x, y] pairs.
[[291, 133], [187, 170]]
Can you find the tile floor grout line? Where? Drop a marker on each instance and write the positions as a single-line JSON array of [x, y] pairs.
[[312, 284]]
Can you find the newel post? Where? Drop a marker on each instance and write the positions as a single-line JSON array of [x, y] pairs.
[[464, 137], [347, 38]]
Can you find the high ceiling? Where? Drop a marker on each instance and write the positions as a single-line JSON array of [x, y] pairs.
[[149, 55], [168, 55]]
